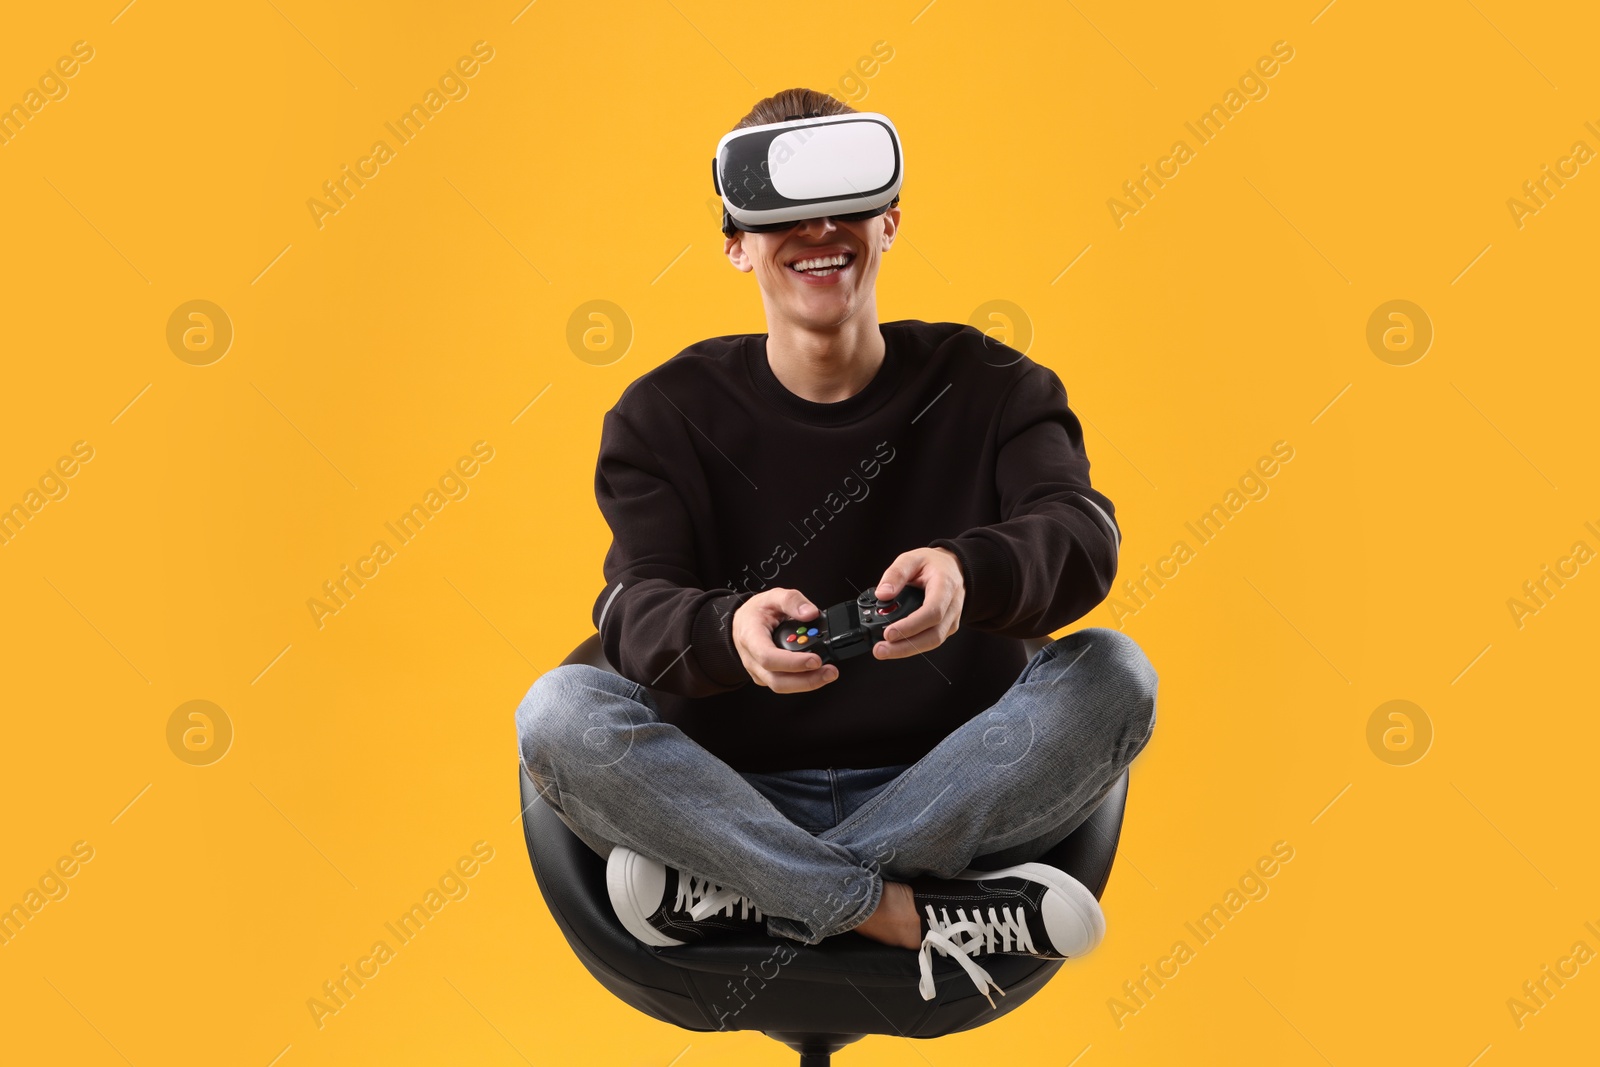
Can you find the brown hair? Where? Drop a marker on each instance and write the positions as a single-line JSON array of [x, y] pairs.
[[794, 104]]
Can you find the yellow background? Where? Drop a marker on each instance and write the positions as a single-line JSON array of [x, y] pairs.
[[372, 752]]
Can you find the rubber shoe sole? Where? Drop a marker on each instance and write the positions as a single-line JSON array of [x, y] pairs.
[[1072, 916], [636, 885]]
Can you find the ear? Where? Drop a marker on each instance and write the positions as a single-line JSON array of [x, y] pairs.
[[733, 248], [891, 226]]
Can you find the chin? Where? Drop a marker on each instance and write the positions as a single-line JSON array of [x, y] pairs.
[[824, 313]]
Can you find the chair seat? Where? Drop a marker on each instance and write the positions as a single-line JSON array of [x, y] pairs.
[[845, 985]]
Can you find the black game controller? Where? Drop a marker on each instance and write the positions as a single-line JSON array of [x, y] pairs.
[[848, 629]]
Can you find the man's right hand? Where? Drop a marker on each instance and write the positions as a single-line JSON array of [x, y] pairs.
[[778, 669]]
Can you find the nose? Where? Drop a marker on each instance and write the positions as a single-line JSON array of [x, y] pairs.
[[818, 225]]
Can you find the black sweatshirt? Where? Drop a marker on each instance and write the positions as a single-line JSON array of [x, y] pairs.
[[717, 483]]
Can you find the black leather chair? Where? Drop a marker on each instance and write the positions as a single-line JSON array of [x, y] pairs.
[[814, 998]]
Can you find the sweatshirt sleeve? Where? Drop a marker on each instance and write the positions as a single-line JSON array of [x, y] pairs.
[[657, 625], [1053, 555]]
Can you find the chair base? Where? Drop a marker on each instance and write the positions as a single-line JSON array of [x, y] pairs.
[[816, 1050]]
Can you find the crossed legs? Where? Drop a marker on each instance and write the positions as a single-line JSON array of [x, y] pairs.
[[1002, 788]]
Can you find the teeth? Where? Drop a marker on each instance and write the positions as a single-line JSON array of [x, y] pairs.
[[821, 263]]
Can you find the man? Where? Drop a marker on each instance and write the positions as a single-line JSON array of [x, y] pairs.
[[739, 787]]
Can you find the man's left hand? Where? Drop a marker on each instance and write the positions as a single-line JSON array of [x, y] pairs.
[[937, 572]]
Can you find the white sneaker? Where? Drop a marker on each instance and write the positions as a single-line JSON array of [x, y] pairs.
[[663, 906], [1031, 909]]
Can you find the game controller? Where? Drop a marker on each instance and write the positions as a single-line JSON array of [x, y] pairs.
[[847, 629]]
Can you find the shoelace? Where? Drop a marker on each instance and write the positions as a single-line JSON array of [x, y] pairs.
[[1009, 926], [701, 897]]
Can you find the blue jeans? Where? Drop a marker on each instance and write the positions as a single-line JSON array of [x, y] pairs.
[[813, 848]]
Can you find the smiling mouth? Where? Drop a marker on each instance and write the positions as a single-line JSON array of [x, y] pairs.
[[822, 266]]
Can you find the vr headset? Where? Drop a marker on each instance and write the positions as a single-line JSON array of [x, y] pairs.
[[841, 166]]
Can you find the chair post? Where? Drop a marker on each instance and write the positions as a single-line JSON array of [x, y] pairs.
[[816, 1050]]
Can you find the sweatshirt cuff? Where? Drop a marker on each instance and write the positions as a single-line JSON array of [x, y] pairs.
[[987, 574], [711, 636]]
